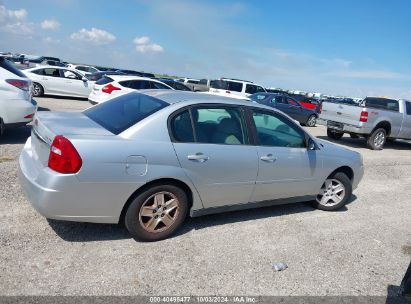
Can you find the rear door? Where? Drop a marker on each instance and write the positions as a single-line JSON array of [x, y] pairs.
[[211, 143], [53, 82]]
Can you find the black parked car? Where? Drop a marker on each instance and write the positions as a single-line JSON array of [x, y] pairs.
[[98, 75], [288, 105], [176, 85]]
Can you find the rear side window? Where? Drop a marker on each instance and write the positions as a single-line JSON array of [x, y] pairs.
[[119, 114], [192, 81], [235, 86], [182, 128], [7, 65], [382, 103], [104, 80], [181, 87], [136, 84], [51, 72], [38, 72]]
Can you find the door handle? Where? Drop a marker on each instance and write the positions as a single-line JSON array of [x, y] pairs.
[[268, 158], [200, 157]]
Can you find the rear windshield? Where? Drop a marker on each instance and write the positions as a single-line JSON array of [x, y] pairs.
[[5, 64], [104, 80], [382, 103], [119, 114]]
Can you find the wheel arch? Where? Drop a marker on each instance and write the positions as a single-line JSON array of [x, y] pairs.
[[386, 125], [346, 170], [160, 181]]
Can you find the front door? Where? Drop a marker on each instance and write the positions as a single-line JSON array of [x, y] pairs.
[[74, 84], [211, 144], [286, 168]]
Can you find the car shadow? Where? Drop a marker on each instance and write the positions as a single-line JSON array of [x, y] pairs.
[[361, 143], [89, 232], [15, 135], [65, 97]]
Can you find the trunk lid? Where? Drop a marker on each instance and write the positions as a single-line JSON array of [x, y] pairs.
[[48, 125], [343, 113]]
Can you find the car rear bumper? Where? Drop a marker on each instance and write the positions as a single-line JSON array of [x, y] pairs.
[[17, 111], [63, 196], [345, 127]]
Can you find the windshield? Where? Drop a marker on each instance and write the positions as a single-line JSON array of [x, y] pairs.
[[119, 114]]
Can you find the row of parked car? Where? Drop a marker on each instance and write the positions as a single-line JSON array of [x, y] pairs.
[[376, 119]]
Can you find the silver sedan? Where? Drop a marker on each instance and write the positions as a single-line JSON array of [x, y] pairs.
[[150, 159]]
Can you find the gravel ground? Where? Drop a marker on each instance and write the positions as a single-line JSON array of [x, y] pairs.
[[361, 250]]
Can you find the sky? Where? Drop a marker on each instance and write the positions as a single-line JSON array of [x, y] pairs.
[[351, 48]]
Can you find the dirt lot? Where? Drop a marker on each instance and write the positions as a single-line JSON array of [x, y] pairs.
[[361, 250]]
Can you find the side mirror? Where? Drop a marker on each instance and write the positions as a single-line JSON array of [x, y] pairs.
[[311, 144], [84, 79]]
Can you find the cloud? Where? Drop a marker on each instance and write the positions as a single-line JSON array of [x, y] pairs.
[[51, 40], [143, 45], [95, 36], [13, 21], [50, 24]]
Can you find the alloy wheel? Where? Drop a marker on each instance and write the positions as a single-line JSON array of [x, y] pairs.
[[36, 90], [159, 212], [311, 121], [379, 139], [332, 193]]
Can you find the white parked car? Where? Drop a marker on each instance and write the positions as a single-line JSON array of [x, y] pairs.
[[111, 86], [234, 88], [58, 81], [85, 70], [16, 105]]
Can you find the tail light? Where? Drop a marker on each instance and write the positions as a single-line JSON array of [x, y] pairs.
[[364, 116], [64, 158], [29, 116], [110, 88], [21, 84]]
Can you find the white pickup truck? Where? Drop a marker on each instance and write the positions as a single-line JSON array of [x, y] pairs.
[[377, 119]]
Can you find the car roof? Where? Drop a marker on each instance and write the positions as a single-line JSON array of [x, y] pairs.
[[176, 96], [131, 77]]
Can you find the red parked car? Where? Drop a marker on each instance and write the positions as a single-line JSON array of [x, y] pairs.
[[306, 102]]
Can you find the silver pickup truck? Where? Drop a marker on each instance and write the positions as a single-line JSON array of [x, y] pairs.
[[377, 119]]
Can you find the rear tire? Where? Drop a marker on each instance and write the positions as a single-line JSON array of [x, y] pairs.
[[311, 121], [334, 134], [335, 192], [377, 139], [38, 90], [2, 128], [156, 213]]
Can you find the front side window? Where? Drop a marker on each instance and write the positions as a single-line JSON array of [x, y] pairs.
[[219, 125], [250, 89], [70, 74], [277, 131]]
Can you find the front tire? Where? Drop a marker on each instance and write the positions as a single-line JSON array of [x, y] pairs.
[[334, 134], [156, 213], [377, 139], [38, 90], [334, 193]]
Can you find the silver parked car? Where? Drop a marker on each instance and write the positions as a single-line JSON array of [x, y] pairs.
[[150, 159]]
